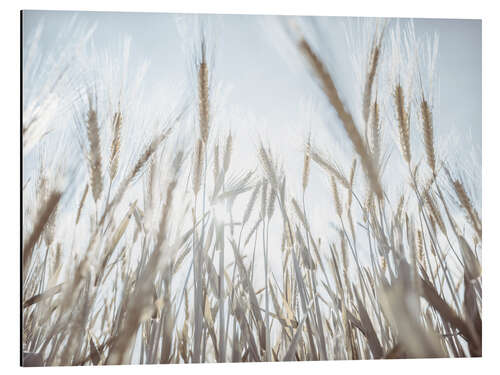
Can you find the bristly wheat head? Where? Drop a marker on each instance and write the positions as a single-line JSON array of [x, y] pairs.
[[251, 203], [263, 199], [370, 77], [428, 134], [435, 212], [467, 206], [95, 151], [272, 203], [198, 166], [329, 167], [203, 95], [336, 197], [147, 153], [267, 164], [115, 144], [420, 248], [138, 167], [403, 123], [375, 133]]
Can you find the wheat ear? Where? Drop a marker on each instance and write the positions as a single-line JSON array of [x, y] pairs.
[[428, 134], [95, 152], [203, 95], [403, 123]]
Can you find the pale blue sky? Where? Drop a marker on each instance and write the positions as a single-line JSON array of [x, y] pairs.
[[248, 59], [266, 94]]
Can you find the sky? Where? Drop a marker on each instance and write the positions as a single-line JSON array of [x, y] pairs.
[[250, 61], [261, 91]]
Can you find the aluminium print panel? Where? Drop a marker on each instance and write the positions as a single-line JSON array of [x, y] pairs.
[[244, 188]]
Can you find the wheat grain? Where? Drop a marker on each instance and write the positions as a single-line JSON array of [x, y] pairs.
[[428, 134], [95, 151], [403, 123], [203, 95]]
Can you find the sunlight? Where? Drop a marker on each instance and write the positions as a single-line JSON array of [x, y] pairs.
[[221, 212]]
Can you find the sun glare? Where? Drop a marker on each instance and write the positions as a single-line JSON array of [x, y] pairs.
[[221, 212]]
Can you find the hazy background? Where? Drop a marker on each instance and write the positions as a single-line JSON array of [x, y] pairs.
[[262, 90]]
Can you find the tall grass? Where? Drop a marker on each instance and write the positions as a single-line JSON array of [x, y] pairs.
[[170, 273]]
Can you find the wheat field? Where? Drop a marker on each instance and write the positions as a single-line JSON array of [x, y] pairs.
[[168, 249]]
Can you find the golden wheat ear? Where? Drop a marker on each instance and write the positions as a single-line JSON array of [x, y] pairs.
[[95, 158], [197, 166], [115, 144], [370, 78], [428, 133], [403, 123], [203, 95]]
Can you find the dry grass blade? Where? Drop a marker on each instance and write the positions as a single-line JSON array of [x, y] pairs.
[[471, 263], [369, 331], [42, 296], [94, 353], [290, 353], [446, 312]]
